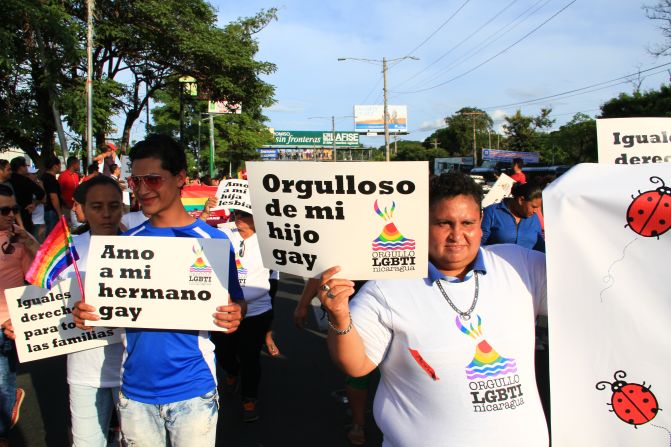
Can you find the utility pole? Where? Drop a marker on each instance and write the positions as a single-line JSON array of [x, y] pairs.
[[212, 148], [475, 149], [384, 62], [435, 143]]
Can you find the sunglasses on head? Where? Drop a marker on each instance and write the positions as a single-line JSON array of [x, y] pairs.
[[151, 181], [5, 210], [7, 247]]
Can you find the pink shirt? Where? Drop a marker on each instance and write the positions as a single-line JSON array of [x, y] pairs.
[[12, 270]]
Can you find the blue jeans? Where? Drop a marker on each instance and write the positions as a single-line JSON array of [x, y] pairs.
[[7, 383], [91, 410], [186, 423]]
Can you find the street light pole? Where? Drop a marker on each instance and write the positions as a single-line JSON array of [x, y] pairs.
[[384, 62], [335, 155], [475, 150], [386, 107]]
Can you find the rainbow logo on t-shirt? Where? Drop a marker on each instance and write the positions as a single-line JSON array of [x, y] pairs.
[[199, 265], [486, 363], [390, 238], [240, 268]]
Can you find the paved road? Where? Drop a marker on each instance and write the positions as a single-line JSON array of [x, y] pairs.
[[296, 405]]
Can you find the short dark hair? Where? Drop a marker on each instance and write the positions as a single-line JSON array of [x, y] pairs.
[[113, 167], [16, 163], [161, 147], [451, 184], [6, 191], [518, 161], [3, 163], [82, 190], [71, 161], [92, 168], [50, 162], [528, 191]]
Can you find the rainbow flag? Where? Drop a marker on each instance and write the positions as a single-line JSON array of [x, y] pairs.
[[53, 257], [195, 196]]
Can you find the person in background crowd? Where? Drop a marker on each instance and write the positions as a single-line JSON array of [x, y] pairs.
[[37, 216], [5, 173], [68, 181], [52, 204], [477, 305], [106, 158], [239, 353], [17, 250], [518, 175], [514, 219], [25, 191], [168, 393], [91, 171]]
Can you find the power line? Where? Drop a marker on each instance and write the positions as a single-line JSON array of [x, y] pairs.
[[494, 56], [568, 92], [439, 28], [458, 44]]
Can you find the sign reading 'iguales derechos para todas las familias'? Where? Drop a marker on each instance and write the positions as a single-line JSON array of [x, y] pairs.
[[634, 141]]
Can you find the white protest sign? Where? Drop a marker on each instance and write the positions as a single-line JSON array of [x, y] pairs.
[[499, 191], [609, 308], [44, 325], [634, 140], [370, 218], [157, 282], [233, 194]]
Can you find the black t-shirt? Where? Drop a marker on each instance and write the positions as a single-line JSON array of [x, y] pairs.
[[51, 186]]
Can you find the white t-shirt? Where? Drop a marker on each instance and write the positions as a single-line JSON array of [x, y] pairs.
[[97, 367], [38, 214], [253, 276], [133, 219], [450, 382]]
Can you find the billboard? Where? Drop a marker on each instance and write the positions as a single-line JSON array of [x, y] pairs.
[[223, 107], [309, 138], [500, 155], [370, 118]]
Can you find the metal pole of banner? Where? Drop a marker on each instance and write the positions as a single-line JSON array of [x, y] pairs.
[[335, 154], [212, 147], [89, 81]]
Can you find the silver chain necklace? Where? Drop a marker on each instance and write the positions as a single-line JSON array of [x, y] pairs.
[[464, 315]]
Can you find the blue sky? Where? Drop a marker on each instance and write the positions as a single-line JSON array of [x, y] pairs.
[[587, 43]]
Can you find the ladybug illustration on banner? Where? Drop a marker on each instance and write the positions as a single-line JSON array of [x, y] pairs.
[[650, 213], [633, 403]]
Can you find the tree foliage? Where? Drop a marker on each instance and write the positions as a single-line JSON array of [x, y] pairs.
[[637, 104], [457, 138], [140, 48], [523, 131]]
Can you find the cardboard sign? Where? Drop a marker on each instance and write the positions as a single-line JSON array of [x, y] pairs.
[[608, 249], [370, 218], [634, 141], [233, 194], [499, 191], [44, 325], [157, 282]]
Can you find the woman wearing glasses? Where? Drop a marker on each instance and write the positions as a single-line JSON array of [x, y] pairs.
[[239, 353], [18, 250]]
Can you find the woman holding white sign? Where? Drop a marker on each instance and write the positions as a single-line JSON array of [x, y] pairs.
[[240, 352]]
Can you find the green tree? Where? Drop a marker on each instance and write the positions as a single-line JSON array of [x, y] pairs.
[[574, 142], [457, 137], [637, 104], [236, 137], [525, 133], [37, 42]]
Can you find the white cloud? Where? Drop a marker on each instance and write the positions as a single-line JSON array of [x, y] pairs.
[[432, 125]]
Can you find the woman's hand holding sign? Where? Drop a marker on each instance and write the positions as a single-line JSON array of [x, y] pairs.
[[334, 295], [229, 316]]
